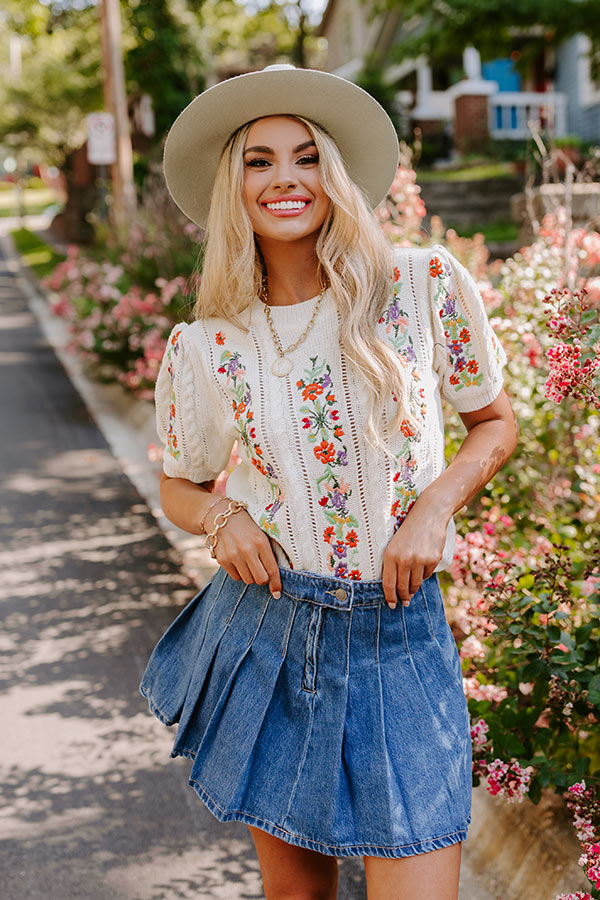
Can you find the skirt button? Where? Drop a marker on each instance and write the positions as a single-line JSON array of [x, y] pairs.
[[341, 594]]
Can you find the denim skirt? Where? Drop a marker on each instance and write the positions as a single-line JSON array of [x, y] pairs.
[[323, 717]]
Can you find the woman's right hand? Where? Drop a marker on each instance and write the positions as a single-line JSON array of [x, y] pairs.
[[244, 550]]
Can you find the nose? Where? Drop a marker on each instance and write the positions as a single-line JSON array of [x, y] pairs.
[[283, 177]]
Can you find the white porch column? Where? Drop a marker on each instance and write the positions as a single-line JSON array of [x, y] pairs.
[[472, 63], [424, 79]]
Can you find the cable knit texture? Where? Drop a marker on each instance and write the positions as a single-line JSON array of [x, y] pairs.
[[327, 499]]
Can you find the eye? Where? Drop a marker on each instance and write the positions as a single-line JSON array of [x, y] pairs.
[[311, 159], [258, 163]]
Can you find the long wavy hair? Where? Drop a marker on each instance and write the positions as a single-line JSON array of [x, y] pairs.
[[354, 258]]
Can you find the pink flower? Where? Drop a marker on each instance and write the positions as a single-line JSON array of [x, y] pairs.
[[479, 732], [509, 780]]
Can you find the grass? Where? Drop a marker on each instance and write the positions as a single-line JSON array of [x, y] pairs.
[[35, 253], [492, 231], [468, 173], [29, 210], [31, 197]]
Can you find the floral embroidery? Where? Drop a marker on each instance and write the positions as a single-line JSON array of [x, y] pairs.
[[320, 419], [172, 350], [230, 364], [405, 489], [396, 322], [456, 330]]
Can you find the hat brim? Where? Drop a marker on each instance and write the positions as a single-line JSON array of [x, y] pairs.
[[357, 123]]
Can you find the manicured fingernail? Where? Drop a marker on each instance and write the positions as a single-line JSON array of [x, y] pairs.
[[277, 594], [392, 605], [406, 603]]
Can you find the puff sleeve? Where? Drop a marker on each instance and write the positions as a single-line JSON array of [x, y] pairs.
[[190, 418], [468, 356]]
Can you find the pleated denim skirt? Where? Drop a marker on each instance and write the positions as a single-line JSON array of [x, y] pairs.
[[323, 717]]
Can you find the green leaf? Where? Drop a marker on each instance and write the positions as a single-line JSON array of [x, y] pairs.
[[526, 581], [534, 669], [594, 690], [535, 791], [561, 614], [513, 745]]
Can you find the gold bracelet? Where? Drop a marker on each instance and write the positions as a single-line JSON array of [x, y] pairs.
[[214, 503], [221, 520]]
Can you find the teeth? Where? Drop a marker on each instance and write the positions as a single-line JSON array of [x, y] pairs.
[[287, 204]]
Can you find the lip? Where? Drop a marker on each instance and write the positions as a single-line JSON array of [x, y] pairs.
[[286, 213]]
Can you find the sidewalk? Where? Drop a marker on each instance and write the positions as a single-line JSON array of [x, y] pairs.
[[93, 806]]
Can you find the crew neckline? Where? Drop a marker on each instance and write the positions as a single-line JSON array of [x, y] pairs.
[[291, 314], [293, 305]]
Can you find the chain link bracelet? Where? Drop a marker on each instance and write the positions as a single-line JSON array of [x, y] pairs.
[[220, 520], [213, 504]]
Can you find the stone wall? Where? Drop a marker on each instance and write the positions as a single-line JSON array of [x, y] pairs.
[[524, 852]]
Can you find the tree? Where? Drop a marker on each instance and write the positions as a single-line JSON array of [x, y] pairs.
[[42, 110], [166, 55], [495, 27]]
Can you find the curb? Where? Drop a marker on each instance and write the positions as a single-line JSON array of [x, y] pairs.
[[126, 422]]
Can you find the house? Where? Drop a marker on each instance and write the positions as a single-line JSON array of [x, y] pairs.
[[470, 100]]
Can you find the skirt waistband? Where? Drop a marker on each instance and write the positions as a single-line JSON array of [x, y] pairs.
[[325, 590]]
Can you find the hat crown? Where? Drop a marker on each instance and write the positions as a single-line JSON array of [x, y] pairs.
[[277, 67]]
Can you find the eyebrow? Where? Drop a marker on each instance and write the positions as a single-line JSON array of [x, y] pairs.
[[271, 151]]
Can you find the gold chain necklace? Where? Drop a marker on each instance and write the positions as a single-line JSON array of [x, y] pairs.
[[282, 366]]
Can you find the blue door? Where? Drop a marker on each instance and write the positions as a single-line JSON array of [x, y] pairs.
[[502, 71]]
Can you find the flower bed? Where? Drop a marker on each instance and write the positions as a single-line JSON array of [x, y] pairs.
[[523, 595]]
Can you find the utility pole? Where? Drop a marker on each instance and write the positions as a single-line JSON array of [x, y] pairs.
[[115, 101]]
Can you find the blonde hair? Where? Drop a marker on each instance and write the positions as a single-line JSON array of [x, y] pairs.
[[354, 257]]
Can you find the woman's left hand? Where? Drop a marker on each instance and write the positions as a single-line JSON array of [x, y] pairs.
[[413, 553]]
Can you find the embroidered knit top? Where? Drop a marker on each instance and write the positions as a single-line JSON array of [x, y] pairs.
[[311, 480]]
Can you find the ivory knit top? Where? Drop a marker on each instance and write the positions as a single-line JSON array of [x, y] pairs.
[[312, 482]]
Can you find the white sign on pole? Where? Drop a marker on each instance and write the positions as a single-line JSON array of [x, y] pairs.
[[101, 144]]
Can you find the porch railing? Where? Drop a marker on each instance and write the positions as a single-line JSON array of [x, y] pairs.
[[511, 111]]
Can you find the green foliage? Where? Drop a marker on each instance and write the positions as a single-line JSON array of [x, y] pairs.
[[494, 231], [42, 112], [35, 253], [548, 633], [165, 56], [170, 48], [495, 27], [467, 173]]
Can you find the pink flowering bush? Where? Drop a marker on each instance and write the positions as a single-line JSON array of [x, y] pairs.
[[524, 593], [117, 327], [121, 306], [578, 895], [584, 803]]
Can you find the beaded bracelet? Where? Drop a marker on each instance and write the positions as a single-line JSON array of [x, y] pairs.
[[214, 503], [220, 520]]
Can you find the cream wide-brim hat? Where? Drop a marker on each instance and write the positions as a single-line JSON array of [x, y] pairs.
[[357, 123]]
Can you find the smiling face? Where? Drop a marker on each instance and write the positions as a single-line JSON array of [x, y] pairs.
[[282, 187]]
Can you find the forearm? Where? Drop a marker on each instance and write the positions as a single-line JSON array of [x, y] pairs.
[[484, 450], [185, 503]]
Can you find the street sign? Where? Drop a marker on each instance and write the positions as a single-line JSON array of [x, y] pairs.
[[101, 144]]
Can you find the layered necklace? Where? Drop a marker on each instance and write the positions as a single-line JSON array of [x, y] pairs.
[[282, 366]]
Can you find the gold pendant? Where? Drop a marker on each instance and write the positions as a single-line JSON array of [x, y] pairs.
[[281, 366]]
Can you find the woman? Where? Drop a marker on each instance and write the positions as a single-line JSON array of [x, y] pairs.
[[317, 709]]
